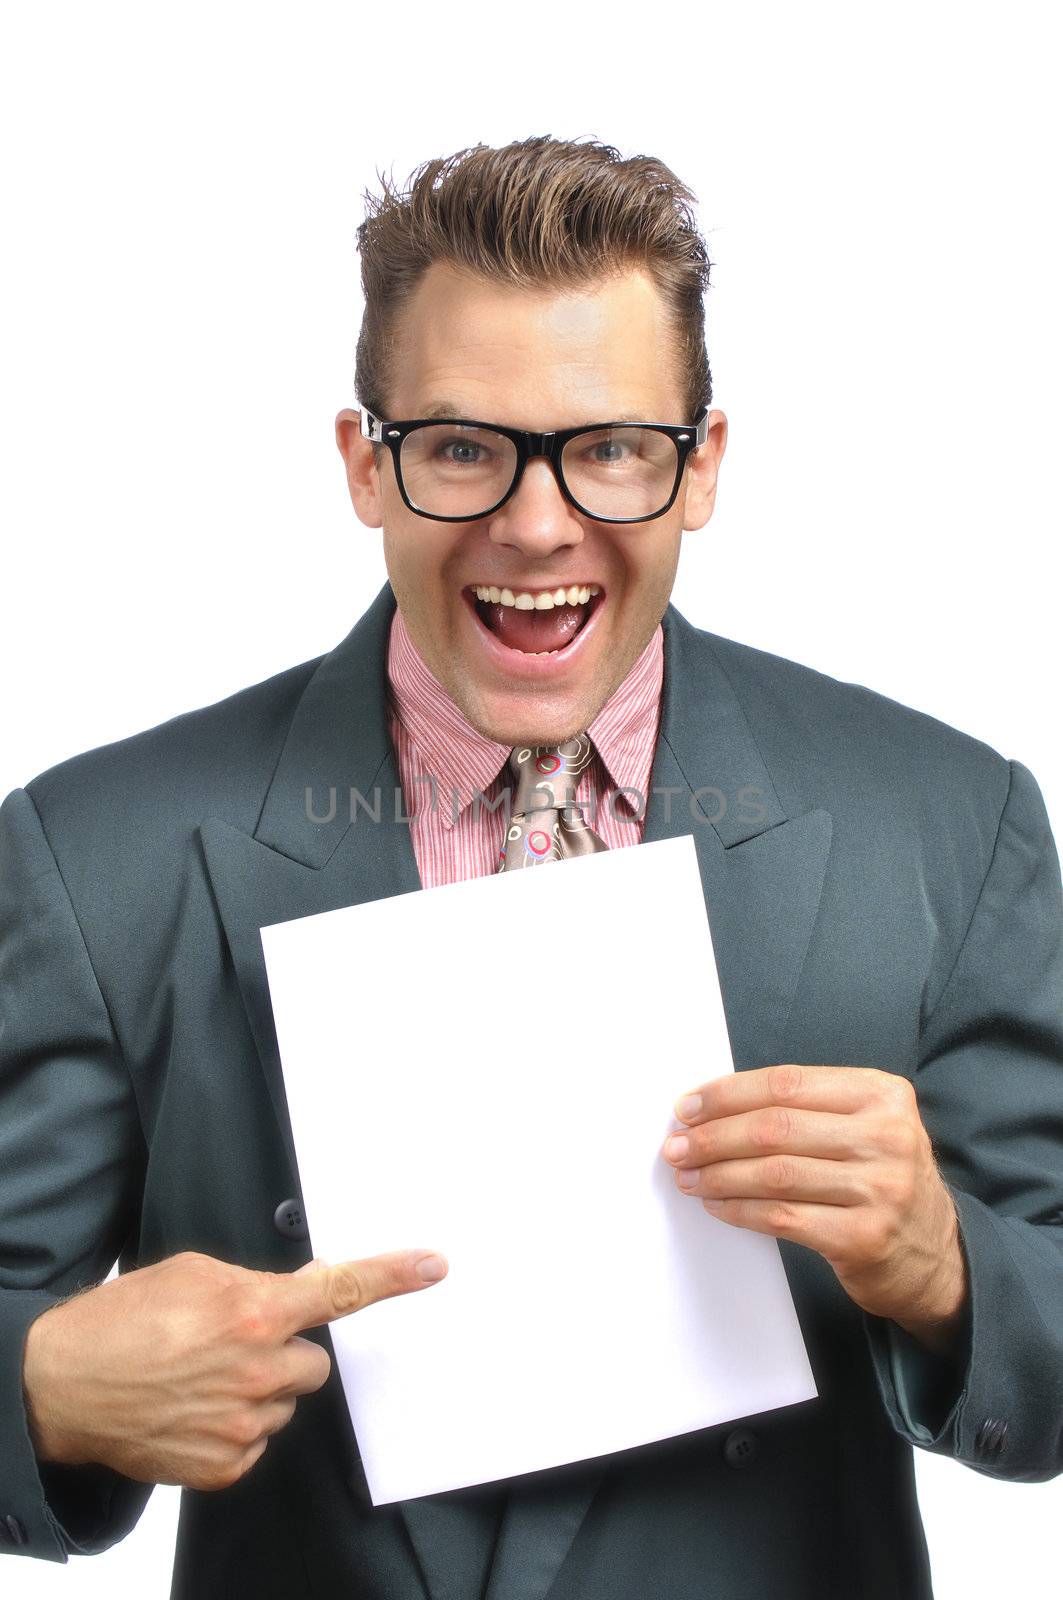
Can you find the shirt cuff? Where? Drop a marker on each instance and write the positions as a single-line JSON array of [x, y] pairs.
[[923, 1390]]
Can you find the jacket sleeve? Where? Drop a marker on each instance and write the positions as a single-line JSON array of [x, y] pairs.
[[989, 1082], [71, 1162]]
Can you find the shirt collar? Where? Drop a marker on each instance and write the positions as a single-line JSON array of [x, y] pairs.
[[447, 748], [463, 761], [625, 730]]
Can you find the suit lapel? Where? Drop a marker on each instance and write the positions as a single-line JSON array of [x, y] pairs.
[[762, 873], [306, 854]]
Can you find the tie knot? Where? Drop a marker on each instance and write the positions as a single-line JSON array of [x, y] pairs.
[[548, 775]]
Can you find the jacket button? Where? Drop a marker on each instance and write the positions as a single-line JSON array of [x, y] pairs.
[[989, 1440], [15, 1531], [741, 1447], [289, 1220]]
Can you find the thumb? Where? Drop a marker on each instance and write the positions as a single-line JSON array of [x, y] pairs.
[[317, 1293]]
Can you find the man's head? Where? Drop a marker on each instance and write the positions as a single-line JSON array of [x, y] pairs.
[[543, 286]]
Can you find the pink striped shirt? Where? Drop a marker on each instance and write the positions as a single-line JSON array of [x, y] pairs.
[[452, 838]]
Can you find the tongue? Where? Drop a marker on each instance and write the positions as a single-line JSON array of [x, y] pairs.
[[533, 630]]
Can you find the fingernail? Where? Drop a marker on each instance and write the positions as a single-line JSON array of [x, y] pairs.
[[689, 1106], [715, 1206], [688, 1180], [431, 1268], [677, 1147]]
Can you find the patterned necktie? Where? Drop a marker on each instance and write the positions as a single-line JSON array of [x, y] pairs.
[[546, 824]]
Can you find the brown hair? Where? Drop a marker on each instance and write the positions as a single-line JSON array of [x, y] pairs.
[[537, 213]]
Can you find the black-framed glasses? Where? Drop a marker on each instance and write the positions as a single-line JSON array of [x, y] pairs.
[[453, 469]]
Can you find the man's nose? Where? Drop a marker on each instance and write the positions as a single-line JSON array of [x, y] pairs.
[[537, 519]]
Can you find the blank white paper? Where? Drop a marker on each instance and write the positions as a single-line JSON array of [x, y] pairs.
[[541, 1025]]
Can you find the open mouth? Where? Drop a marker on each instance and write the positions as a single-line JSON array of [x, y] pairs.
[[536, 622]]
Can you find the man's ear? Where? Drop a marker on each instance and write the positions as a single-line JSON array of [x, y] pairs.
[[363, 478], [702, 471]]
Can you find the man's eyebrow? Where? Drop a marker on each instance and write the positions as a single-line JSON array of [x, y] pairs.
[[444, 408], [450, 408]]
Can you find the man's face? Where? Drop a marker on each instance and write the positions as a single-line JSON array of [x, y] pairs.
[[542, 360]]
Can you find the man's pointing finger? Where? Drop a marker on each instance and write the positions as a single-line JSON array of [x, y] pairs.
[[311, 1297]]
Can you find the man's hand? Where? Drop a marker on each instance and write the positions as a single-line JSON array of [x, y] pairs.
[[179, 1372], [835, 1158]]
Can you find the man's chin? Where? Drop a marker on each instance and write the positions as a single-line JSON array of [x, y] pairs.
[[524, 718]]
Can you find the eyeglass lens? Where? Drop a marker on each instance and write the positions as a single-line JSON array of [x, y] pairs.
[[454, 471]]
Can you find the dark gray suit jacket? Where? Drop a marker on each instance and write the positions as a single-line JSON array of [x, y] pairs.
[[882, 889]]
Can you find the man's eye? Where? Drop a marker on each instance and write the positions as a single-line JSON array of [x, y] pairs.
[[462, 452], [608, 450]]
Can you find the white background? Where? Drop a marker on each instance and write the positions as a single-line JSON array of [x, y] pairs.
[[879, 189]]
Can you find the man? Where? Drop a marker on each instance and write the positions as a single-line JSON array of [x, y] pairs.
[[885, 903]]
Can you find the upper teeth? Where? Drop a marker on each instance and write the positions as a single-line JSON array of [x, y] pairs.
[[544, 600]]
